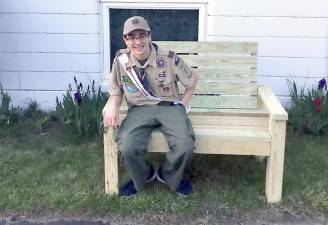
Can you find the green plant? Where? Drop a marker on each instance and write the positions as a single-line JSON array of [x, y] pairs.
[[309, 110], [8, 114], [41, 124], [82, 114], [39, 118], [33, 110]]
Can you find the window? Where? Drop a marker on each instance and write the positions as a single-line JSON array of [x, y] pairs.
[[168, 20], [165, 25]]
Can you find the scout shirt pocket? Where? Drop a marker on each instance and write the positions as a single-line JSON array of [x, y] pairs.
[[130, 90], [164, 86]]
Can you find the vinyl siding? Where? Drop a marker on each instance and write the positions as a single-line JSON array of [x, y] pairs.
[[44, 43]]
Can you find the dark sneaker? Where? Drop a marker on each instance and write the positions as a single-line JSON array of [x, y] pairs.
[[160, 177], [184, 189], [128, 189]]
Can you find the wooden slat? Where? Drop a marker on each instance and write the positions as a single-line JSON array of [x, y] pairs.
[[199, 101], [212, 74], [258, 121], [249, 48], [258, 112], [242, 135], [205, 61], [224, 88], [231, 127], [220, 142]]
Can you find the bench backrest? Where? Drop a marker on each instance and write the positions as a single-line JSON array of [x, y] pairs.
[[227, 72]]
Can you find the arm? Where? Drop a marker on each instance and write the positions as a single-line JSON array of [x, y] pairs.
[[187, 77], [111, 111], [189, 91]]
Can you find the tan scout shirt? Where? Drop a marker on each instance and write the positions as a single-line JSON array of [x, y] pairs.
[[164, 69]]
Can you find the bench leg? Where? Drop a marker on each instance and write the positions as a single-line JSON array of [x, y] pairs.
[[111, 162], [275, 162]]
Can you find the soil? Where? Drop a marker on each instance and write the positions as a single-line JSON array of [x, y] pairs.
[[272, 215]]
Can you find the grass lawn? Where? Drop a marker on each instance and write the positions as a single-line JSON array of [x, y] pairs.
[[50, 173]]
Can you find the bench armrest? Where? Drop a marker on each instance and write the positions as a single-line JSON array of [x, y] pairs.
[[272, 104]]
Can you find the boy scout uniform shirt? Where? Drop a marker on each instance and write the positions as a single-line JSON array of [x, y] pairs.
[[164, 69]]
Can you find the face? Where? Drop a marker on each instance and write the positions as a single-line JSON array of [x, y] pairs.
[[138, 42]]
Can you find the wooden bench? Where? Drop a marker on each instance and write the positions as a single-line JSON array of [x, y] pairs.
[[230, 113]]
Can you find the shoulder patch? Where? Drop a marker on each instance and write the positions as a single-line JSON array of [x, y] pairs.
[[161, 63], [120, 52], [171, 54]]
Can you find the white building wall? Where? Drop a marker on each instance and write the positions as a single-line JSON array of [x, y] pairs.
[[292, 37], [44, 43]]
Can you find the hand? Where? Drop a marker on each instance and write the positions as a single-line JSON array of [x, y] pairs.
[[111, 117], [184, 103]]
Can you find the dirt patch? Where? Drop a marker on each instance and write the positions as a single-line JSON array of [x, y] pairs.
[[272, 215]]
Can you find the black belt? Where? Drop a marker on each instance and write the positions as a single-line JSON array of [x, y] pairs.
[[165, 103]]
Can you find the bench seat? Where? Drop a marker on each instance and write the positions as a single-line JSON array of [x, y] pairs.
[[223, 132], [220, 141]]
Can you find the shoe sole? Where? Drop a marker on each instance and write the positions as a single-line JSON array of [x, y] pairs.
[[153, 177], [182, 195], [160, 179]]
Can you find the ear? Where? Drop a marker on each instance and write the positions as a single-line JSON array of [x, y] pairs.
[[125, 41]]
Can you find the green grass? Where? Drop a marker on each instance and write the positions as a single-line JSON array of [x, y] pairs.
[[51, 173], [306, 172]]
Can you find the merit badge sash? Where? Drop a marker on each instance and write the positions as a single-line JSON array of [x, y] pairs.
[[123, 59]]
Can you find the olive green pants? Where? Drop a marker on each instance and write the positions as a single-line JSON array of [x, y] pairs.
[[134, 134]]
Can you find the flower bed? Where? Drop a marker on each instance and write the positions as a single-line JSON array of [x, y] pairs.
[[309, 111]]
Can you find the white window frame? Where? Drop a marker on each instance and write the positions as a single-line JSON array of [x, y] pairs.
[[200, 5]]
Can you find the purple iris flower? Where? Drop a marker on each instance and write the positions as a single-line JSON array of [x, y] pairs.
[[78, 97], [322, 84]]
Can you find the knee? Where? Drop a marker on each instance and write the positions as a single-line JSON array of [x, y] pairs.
[[126, 148], [186, 146], [130, 148]]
